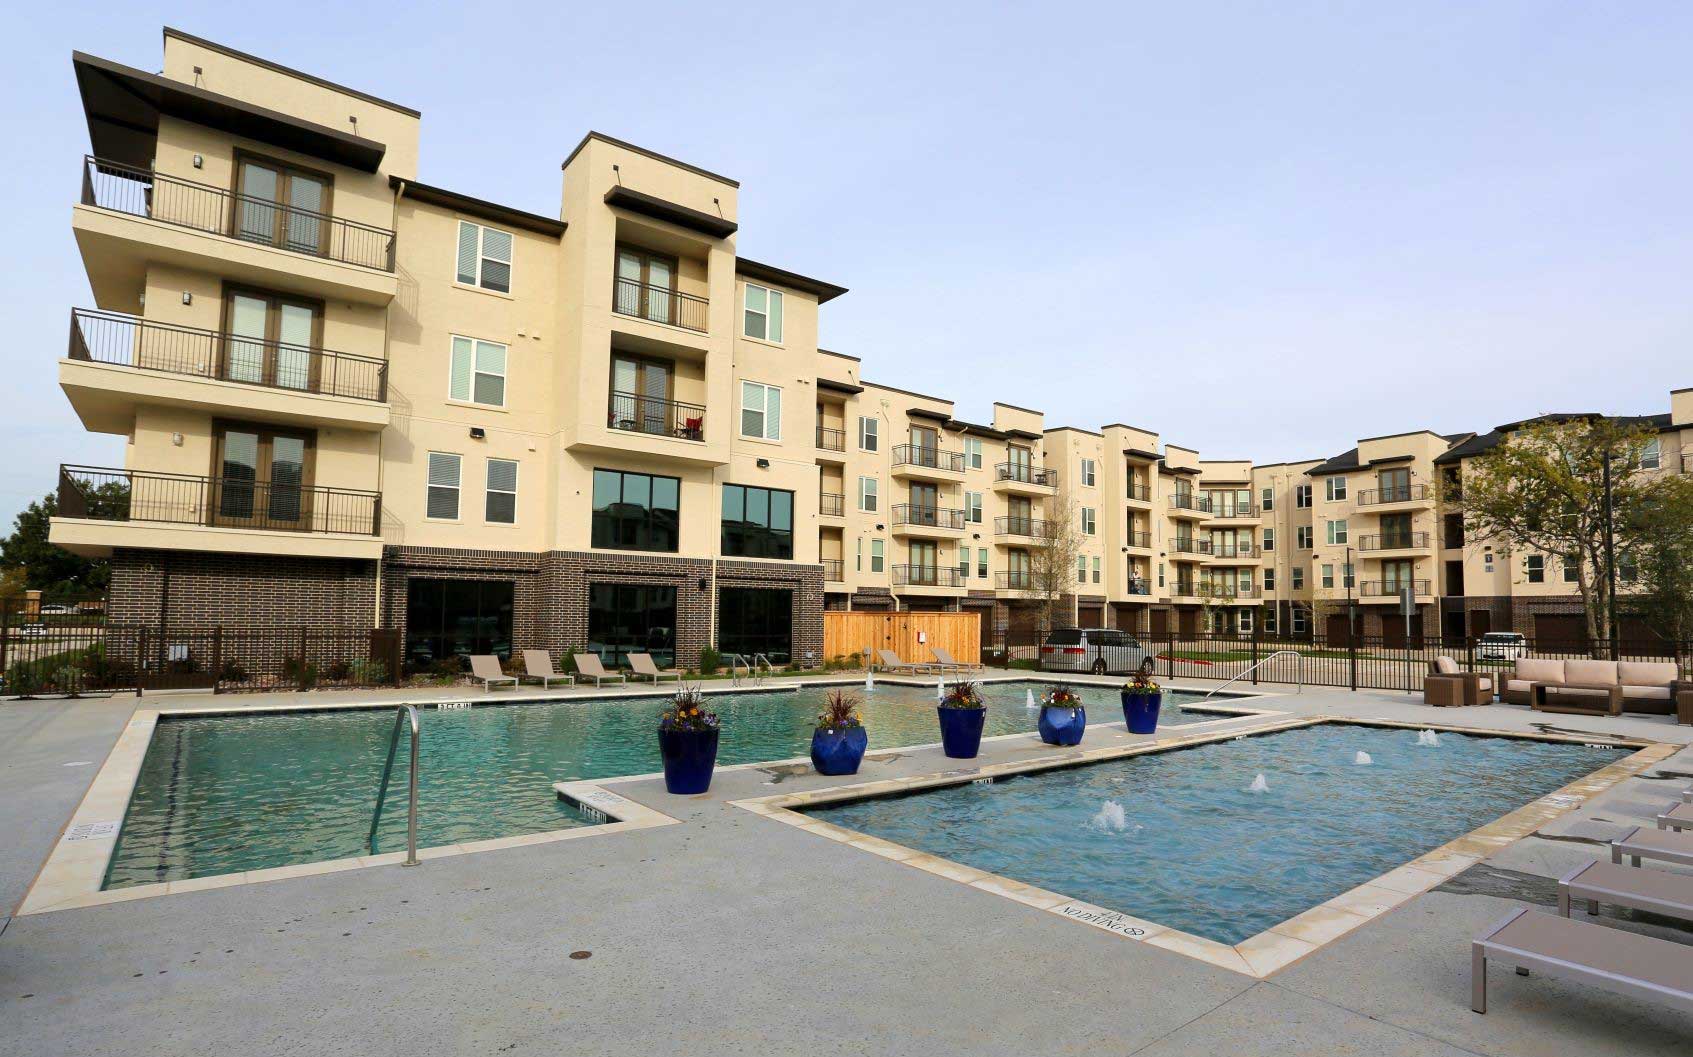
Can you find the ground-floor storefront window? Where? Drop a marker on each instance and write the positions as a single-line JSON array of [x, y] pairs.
[[632, 618], [457, 618], [753, 620]]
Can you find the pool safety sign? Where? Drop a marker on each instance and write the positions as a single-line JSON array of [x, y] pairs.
[[1109, 920], [92, 831]]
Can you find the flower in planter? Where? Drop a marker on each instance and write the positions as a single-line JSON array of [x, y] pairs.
[[1061, 696], [963, 694], [840, 712], [1141, 682], [687, 711]]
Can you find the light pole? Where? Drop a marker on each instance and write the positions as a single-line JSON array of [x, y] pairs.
[[1610, 557]]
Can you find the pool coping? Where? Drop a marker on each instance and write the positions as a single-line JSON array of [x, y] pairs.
[[1273, 949], [72, 875]]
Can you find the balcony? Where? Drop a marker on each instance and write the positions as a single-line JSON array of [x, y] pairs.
[[1014, 580], [834, 570], [1234, 552], [1190, 504], [1186, 545], [1139, 586], [831, 439], [1396, 541], [130, 217], [101, 508], [831, 504], [1226, 594], [1139, 540], [116, 362], [1139, 493], [926, 463], [1029, 527], [634, 413], [926, 576], [1183, 589], [660, 304], [1247, 512], [1409, 493], [916, 519], [1375, 591], [1024, 479]]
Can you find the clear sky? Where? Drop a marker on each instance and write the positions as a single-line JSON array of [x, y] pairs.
[[1262, 230]]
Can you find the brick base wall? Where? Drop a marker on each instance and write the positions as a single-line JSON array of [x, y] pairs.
[[197, 589]]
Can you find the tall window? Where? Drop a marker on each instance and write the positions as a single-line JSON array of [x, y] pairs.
[[262, 475], [1336, 488], [282, 205], [632, 618], [444, 479], [646, 285], [1081, 568], [1328, 576], [1534, 565], [1095, 570], [1267, 498], [1269, 539], [1337, 532], [640, 398], [1300, 621], [478, 372], [1089, 523], [1269, 580], [763, 314], [877, 556], [757, 522], [973, 507], [484, 257], [1087, 472], [1302, 537], [867, 435], [1301, 496], [973, 453], [1298, 578], [636, 511], [761, 411], [982, 563], [1652, 455], [867, 494], [501, 507]]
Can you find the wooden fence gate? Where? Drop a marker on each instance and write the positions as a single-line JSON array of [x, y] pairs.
[[909, 634]]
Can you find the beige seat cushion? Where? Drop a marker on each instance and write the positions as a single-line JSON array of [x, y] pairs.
[[1485, 682], [1647, 673], [1518, 686], [1445, 666], [1598, 673], [1579, 691], [1646, 693], [1537, 671]]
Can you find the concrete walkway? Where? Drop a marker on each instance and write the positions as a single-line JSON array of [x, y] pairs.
[[731, 933]]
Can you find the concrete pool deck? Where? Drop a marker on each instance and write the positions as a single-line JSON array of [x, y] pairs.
[[728, 932]]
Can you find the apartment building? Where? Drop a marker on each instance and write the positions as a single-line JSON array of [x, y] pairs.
[[353, 399]]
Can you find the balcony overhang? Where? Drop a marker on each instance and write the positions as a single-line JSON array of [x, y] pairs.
[[123, 106], [670, 212], [769, 273], [105, 397], [505, 216], [97, 539]]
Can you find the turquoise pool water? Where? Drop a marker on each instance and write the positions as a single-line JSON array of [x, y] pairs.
[[219, 794], [1177, 838]]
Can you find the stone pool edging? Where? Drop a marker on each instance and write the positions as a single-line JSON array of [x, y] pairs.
[[1281, 944]]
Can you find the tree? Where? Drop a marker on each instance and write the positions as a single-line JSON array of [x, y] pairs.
[[1544, 491], [1662, 558], [57, 573], [1214, 598], [1052, 561]]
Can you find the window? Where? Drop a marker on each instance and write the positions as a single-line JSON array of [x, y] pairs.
[[636, 511], [973, 507], [1089, 522], [484, 257], [270, 342], [1096, 570], [443, 500], [632, 618], [858, 563], [1081, 568], [1651, 456], [1087, 472], [756, 620], [1302, 537], [1535, 566], [478, 372], [1160, 574], [1298, 578], [1268, 502], [1487, 562], [982, 563], [282, 205], [1269, 535], [757, 522], [866, 433], [646, 287], [964, 563], [876, 556], [1269, 619], [501, 505], [1627, 570], [867, 494], [1301, 496], [1328, 576], [761, 411], [1300, 622], [1269, 580], [457, 618], [262, 475], [1337, 532], [1243, 620], [973, 453], [763, 314], [1336, 487]]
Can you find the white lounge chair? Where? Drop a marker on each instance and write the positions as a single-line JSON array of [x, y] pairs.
[[642, 666], [486, 667], [588, 666], [943, 658], [1625, 963], [892, 663], [538, 664]]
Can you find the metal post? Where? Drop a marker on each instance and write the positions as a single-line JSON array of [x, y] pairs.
[[1610, 558], [217, 658], [411, 797], [1255, 634], [1352, 654]]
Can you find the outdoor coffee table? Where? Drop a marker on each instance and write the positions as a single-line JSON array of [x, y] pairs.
[[1540, 694]]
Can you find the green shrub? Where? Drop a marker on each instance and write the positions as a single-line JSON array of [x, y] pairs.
[[23, 680], [368, 672], [232, 672], [710, 660], [69, 680], [339, 672], [299, 671]]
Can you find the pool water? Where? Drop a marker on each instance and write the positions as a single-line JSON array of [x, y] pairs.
[[1177, 838], [219, 794]]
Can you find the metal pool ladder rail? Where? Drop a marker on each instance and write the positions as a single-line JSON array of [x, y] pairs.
[[1295, 654], [401, 715]]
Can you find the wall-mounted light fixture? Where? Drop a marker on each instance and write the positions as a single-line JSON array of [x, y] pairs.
[[764, 464], [478, 433], [187, 298], [199, 162], [705, 585]]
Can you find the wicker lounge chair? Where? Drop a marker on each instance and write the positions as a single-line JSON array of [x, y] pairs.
[[588, 666], [538, 664], [1625, 963], [642, 666], [486, 667]]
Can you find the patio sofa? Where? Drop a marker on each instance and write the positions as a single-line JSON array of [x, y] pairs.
[[1648, 687]]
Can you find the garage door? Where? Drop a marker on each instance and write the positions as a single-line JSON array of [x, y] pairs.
[[1090, 616]]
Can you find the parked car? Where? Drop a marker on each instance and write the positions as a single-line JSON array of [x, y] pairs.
[[58, 609], [1501, 646], [1102, 651], [31, 631]]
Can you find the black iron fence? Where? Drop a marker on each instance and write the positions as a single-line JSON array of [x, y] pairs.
[[107, 494], [831, 439], [202, 207], [660, 304], [130, 341], [834, 570], [831, 504], [655, 417]]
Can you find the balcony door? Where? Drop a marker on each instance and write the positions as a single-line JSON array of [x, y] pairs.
[[1017, 569], [1022, 463], [925, 447], [1395, 531], [641, 394], [281, 205], [925, 505], [1021, 519], [261, 477], [925, 563], [1395, 576], [646, 285], [270, 338], [1395, 485]]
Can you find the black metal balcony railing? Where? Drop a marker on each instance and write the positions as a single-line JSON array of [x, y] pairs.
[[1226, 592], [834, 571], [1394, 541], [831, 504], [1140, 492], [1183, 545], [202, 207], [1405, 493], [930, 458], [1014, 580], [1139, 587], [1234, 550], [926, 576], [1183, 589], [103, 494], [659, 418], [130, 341], [1240, 510], [1022, 473], [1391, 588], [1016, 525], [923, 516], [830, 439], [660, 304], [1190, 501]]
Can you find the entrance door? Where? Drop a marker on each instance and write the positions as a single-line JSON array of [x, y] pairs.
[[1481, 622], [646, 285], [925, 446], [1021, 463], [1338, 631], [1395, 485], [1160, 623], [1188, 621], [640, 398], [261, 478], [632, 618], [925, 564]]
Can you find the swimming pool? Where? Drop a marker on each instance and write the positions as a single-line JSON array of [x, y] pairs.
[[1181, 839], [219, 794]]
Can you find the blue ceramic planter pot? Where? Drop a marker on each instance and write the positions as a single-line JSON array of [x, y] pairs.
[[838, 751], [1140, 712], [961, 731], [1063, 726], [689, 756]]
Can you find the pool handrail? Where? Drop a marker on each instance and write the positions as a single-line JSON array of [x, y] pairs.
[[1295, 654], [401, 714]]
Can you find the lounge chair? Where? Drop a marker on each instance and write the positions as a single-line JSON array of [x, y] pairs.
[[588, 666], [486, 667], [538, 664], [642, 666], [943, 659], [1625, 963], [1642, 843], [1446, 684], [892, 663], [1678, 818], [1656, 891]]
